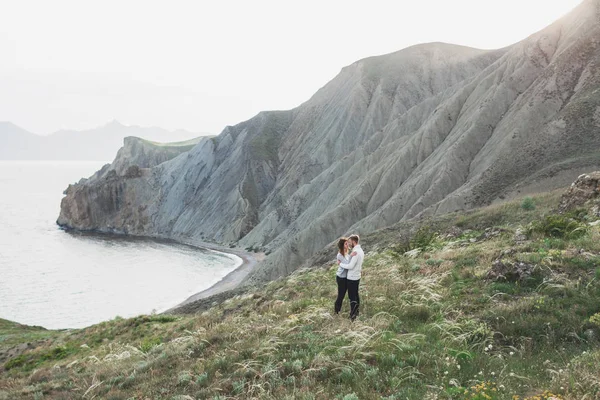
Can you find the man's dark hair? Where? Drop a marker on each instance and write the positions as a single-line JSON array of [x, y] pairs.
[[354, 238]]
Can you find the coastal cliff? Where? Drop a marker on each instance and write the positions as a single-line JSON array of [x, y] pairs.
[[427, 130]]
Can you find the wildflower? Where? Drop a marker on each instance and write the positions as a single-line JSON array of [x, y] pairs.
[[493, 374], [445, 372], [512, 353], [458, 366]]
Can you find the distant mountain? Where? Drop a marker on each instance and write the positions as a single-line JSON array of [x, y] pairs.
[[15, 140], [428, 130], [94, 144]]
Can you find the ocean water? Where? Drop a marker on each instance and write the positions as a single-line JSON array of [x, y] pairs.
[[57, 279]]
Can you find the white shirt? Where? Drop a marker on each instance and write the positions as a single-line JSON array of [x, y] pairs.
[[341, 272], [354, 267]]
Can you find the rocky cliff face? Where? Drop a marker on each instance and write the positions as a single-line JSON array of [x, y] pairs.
[[97, 203], [145, 154], [429, 129]]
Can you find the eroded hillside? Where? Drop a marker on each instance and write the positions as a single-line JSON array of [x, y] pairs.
[[427, 130]]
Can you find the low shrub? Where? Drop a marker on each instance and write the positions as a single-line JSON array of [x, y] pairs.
[[423, 238], [148, 343], [528, 204], [559, 226]]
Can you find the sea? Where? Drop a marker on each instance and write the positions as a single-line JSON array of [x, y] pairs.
[[59, 280]]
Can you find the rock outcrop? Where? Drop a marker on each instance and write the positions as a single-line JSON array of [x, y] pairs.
[[430, 129], [510, 271], [585, 190], [145, 154]]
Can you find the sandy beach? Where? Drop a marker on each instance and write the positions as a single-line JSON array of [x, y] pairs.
[[231, 281]]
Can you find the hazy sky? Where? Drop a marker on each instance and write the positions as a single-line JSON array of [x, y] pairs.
[[201, 65]]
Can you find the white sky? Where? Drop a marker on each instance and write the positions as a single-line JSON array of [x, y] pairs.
[[201, 65]]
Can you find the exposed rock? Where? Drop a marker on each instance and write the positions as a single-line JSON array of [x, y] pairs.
[[491, 233], [584, 189], [520, 236], [427, 130], [144, 154], [453, 233], [133, 171], [510, 271], [508, 252]]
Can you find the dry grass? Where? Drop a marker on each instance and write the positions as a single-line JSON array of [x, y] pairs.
[[431, 327]]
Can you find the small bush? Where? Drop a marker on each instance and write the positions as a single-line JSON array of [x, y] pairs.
[[528, 204], [559, 226], [423, 238], [595, 319], [184, 378], [202, 380], [149, 343], [578, 214], [57, 353], [163, 319], [128, 382], [417, 313], [15, 362]]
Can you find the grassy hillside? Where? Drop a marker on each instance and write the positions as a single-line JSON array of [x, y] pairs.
[[500, 303]]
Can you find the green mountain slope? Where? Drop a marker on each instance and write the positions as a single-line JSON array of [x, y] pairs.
[[494, 303]]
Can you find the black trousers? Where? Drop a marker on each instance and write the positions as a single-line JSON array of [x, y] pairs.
[[342, 284], [354, 298]]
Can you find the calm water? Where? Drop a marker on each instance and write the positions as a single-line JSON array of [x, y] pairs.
[[56, 279]]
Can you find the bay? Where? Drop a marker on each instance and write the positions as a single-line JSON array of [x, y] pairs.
[[56, 279]]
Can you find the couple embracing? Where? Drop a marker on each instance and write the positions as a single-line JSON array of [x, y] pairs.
[[348, 273]]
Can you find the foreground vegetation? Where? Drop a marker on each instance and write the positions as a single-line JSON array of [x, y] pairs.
[[501, 303]]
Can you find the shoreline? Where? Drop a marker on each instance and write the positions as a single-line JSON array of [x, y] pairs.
[[233, 280]]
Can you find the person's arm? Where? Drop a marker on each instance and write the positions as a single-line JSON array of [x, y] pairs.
[[343, 259], [355, 257], [351, 264]]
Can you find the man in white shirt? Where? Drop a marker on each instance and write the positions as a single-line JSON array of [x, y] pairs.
[[354, 268]]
